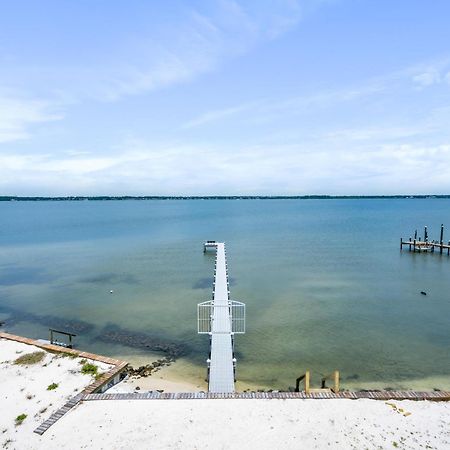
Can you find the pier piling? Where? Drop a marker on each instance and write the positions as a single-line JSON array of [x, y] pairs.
[[426, 245]]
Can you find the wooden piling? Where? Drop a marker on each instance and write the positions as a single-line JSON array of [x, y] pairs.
[[441, 241], [307, 382], [336, 381]]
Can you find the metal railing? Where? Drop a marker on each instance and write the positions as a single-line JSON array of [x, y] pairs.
[[205, 315]]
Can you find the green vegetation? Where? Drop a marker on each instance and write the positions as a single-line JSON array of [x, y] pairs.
[[30, 358], [20, 419], [52, 386], [69, 355], [90, 369]]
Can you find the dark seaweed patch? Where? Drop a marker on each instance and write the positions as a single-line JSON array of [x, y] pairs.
[[207, 283], [113, 333], [203, 283], [14, 275], [355, 376], [70, 325], [111, 277]]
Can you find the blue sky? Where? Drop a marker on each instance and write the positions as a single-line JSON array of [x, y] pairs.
[[224, 97]]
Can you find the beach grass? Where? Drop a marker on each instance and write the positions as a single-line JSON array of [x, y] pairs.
[[30, 358]]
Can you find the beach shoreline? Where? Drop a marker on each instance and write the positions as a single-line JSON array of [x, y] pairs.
[[316, 423]]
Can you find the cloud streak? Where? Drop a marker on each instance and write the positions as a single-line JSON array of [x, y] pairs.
[[18, 114], [172, 170]]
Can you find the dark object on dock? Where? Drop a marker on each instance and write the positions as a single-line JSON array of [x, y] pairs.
[[64, 333], [417, 245], [423, 292]]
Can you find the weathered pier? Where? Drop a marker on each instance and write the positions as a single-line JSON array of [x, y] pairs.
[[221, 318], [416, 244]]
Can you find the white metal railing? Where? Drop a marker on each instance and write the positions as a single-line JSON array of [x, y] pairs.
[[205, 313], [237, 317], [204, 317]]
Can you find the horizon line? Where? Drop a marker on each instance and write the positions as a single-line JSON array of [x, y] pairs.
[[212, 197]]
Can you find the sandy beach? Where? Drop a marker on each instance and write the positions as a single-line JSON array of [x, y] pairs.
[[180, 424], [249, 424], [35, 390]]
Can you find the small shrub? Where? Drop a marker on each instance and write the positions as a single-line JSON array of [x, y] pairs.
[[52, 386], [29, 396], [89, 369], [83, 361], [20, 419], [30, 358], [69, 355]]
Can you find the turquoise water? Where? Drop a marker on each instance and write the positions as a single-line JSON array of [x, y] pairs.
[[325, 284]]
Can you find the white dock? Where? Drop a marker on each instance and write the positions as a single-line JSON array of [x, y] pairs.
[[221, 318]]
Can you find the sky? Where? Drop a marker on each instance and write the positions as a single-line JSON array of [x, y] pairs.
[[224, 97]]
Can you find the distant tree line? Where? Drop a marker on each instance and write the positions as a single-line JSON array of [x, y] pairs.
[[8, 198]]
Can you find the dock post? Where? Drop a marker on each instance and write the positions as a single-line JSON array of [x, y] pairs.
[[441, 241], [336, 381], [425, 234], [307, 382], [410, 243], [401, 243], [414, 244], [415, 235]]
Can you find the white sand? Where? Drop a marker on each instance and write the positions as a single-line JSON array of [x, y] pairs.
[[23, 390], [202, 424], [250, 424]]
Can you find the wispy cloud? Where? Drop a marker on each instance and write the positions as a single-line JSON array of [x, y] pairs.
[[218, 114], [423, 75], [174, 169], [266, 109], [195, 42], [18, 114], [430, 73]]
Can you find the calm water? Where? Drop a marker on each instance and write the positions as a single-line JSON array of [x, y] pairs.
[[325, 284]]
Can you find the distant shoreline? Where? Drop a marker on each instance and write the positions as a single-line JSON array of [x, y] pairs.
[[7, 198]]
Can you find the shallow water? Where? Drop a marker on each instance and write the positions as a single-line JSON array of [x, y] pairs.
[[325, 284]]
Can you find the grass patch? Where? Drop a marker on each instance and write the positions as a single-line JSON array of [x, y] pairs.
[[30, 358], [20, 419], [69, 355], [52, 386], [89, 369]]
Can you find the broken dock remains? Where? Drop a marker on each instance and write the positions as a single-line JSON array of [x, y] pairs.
[[416, 244]]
